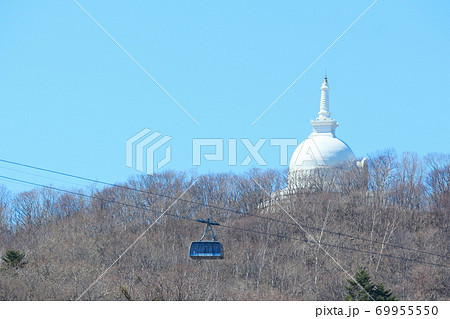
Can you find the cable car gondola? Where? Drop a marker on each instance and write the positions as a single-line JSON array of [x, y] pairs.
[[206, 249]]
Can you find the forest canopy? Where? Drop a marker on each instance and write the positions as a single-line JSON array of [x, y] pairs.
[[391, 220]]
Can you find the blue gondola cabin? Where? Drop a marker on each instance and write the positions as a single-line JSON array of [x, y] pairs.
[[206, 250]]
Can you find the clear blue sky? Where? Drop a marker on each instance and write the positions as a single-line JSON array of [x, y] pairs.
[[70, 97]]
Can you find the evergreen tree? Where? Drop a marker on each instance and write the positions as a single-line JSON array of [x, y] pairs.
[[14, 258], [363, 289]]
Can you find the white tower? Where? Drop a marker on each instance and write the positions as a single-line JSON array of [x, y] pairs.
[[324, 123], [322, 149]]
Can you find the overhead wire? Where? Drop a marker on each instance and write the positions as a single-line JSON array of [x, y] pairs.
[[217, 207], [338, 246], [41, 176], [223, 225]]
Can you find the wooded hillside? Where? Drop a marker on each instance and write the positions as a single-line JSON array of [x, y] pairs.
[[397, 228]]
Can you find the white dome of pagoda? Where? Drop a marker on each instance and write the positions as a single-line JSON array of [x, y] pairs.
[[322, 149], [311, 161]]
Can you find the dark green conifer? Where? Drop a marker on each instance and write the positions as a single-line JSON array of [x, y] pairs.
[[363, 289]]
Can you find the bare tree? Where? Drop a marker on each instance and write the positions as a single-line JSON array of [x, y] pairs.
[[391, 219]]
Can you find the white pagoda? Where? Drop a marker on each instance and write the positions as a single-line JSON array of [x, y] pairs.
[[322, 150]]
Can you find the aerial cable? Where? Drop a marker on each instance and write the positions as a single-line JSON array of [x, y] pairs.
[[213, 206], [227, 226]]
